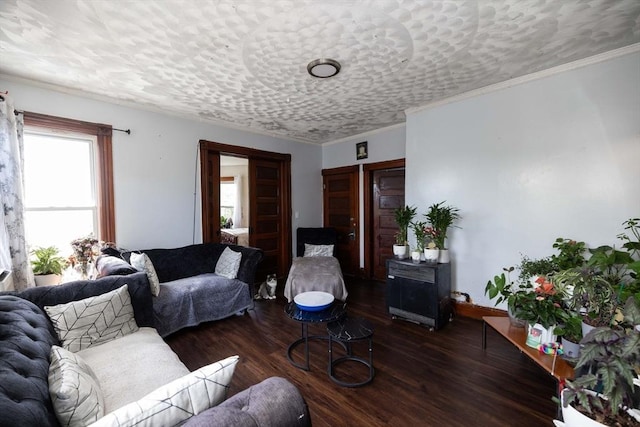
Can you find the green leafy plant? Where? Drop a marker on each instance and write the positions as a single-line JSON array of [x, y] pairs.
[[420, 231], [403, 217], [609, 357], [441, 217], [47, 261], [592, 294], [535, 267], [571, 254], [541, 304], [571, 328]]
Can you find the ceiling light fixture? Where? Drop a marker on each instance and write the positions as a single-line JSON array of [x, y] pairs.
[[323, 68]]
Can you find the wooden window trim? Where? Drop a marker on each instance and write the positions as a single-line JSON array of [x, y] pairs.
[[106, 209]]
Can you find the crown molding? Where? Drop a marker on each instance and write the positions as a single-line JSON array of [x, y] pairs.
[[606, 56]]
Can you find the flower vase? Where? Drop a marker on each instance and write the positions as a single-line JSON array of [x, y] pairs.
[[538, 335], [443, 256], [415, 256], [84, 269]]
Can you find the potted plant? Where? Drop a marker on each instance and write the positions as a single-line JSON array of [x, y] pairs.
[[605, 389], [403, 216], [592, 296], [441, 217], [419, 229], [570, 333], [47, 265]]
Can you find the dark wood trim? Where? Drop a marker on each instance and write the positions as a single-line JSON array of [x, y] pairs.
[[210, 198], [103, 133], [226, 179], [341, 170], [474, 311], [237, 151], [367, 197]]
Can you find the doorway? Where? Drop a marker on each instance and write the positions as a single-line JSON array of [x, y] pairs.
[[341, 211], [384, 186], [268, 214]]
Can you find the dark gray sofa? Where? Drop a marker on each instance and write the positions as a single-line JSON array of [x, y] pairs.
[[26, 337], [190, 292]]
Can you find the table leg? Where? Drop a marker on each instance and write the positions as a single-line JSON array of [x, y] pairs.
[[484, 335]]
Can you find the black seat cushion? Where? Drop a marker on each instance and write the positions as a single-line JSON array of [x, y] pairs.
[[26, 337]]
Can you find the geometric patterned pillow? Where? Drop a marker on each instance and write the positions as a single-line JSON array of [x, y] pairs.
[[74, 389], [228, 263], [91, 321], [177, 401], [141, 262], [318, 250]]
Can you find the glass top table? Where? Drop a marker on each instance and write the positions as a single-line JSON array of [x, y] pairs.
[[334, 312]]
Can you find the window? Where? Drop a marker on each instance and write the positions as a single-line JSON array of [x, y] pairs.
[[68, 181], [227, 200]]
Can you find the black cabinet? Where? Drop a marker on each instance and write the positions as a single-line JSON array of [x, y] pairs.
[[419, 292]]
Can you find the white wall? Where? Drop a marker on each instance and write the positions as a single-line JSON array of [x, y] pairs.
[[555, 157], [155, 167]]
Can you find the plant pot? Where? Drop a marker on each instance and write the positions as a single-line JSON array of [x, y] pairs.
[[415, 257], [443, 256], [571, 350], [574, 418], [400, 251], [431, 256], [586, 328], [514, 321], [47, 279], [538, 335]]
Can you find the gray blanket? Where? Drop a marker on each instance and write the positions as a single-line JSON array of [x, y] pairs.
[[193, 300], [315, 274]]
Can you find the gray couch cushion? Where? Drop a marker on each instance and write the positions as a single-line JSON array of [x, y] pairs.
[[193, 300]]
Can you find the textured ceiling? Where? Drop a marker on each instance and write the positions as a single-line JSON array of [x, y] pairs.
[[243, 63]]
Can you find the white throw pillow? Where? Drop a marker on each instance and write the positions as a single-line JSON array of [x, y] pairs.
[[141, 262], [228, 263], [75, 393], [318, 250], [91, 321], [177, 401]]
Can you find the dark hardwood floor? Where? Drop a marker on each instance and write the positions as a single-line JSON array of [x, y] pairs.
[[423, 378]]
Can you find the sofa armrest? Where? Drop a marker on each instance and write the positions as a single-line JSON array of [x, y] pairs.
[[275, 402]]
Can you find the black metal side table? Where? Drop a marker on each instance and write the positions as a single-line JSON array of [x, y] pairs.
[[334, 312], [346, 331]]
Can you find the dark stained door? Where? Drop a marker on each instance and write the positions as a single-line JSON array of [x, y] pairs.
[[388, 194], [341, 211], [266, 215], [210, 187]]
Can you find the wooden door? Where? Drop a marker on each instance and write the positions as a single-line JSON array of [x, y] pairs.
[[210, 190], [267, 218], [383, 192], [341, 211]]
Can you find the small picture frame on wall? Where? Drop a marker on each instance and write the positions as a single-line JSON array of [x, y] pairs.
[[361, 150]]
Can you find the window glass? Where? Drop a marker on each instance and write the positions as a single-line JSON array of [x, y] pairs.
[[60, 189], [227, 198]]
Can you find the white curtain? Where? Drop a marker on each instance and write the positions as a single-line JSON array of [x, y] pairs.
[[237, 211], [14, 255]]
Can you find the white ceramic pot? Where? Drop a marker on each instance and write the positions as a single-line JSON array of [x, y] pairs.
[[443, 256], [538, 334], [415, 257], [47, 279], [400, 251], [586, 328], [570, 349], [574, 418], [431, 255]]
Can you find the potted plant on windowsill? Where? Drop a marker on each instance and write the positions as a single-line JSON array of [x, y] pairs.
[[47, 265], [403, 216], [441, 217], [609, 363]]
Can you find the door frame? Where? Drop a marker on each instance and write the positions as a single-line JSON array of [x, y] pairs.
[[250, 153], [368, 169]]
